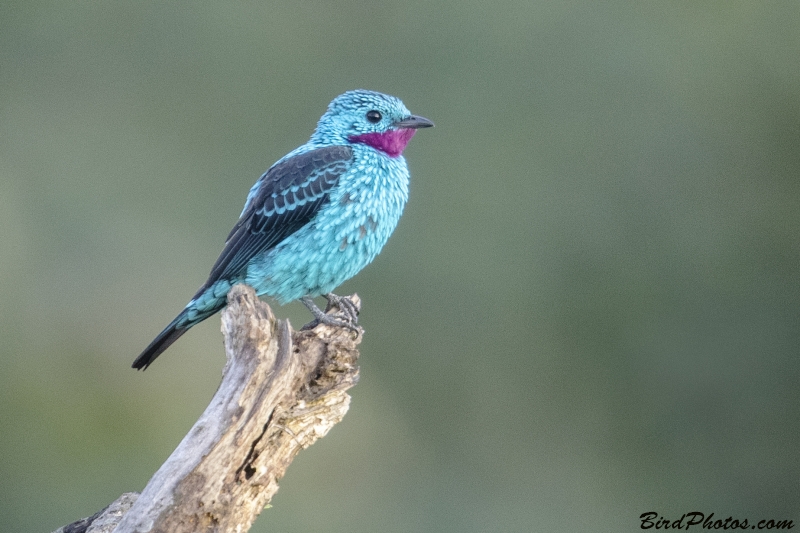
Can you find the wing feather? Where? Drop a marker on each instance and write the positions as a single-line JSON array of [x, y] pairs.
[[290, 193]]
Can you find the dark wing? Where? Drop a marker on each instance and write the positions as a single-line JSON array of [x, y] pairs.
[[290, 194]]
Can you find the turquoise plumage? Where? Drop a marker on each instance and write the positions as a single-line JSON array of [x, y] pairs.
[[316, 217]]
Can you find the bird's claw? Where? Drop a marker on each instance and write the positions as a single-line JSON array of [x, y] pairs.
[[347, 317], [346, 306]]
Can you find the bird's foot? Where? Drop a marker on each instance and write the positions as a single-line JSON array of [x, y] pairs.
[[346, 317], [347, 307]]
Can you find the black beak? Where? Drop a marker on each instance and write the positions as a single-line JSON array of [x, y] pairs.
[[413, 123]]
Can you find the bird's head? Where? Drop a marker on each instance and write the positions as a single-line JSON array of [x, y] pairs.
[[367, 117]]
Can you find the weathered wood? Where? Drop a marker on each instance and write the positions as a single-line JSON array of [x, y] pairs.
[[103, 521], [281, 390]]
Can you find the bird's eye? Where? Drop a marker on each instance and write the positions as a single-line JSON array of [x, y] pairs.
[[374, 116]]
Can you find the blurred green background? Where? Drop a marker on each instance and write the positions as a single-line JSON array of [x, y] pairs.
[[590, 309]]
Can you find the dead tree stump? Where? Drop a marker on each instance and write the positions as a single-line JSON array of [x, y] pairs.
[[281, 390]]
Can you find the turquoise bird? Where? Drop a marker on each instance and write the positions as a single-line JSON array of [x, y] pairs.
[[316, 217]]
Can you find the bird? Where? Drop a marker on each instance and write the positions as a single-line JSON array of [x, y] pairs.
[[316, 217]]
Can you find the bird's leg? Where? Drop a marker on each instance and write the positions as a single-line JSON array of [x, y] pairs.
[[346, 318]]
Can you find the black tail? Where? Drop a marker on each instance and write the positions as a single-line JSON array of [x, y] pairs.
[[173, 332], [170, 334]]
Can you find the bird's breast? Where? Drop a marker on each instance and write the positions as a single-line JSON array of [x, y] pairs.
[[368, 203]]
